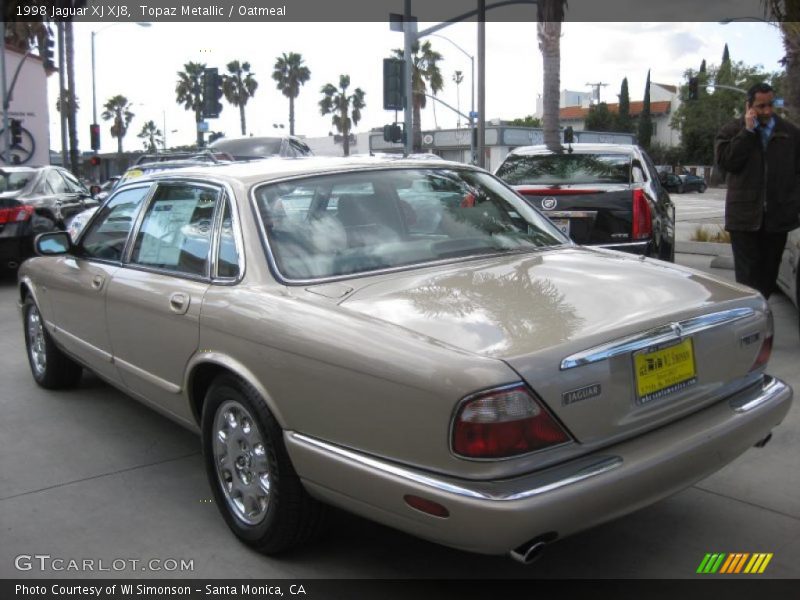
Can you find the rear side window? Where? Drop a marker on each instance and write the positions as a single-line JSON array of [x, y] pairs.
[[176, 231], [105, 239], [566, 169]]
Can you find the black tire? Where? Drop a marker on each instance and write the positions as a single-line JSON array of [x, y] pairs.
[[50, 367], [702, 188], [291, 517]]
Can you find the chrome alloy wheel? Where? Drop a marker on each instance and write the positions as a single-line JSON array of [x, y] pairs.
[[36, 341], [242, 464]]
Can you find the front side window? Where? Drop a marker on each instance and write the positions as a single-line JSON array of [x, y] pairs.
[[176, 231], [565, 169], [74, 186], [350, 223], [107, 233]]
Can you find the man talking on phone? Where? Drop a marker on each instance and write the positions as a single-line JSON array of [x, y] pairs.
[[761, 155]]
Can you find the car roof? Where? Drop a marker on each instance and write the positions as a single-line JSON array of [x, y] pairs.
[[598, 148], [271, 169]]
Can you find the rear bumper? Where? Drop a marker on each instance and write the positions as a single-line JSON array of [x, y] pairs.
[[494, 517]]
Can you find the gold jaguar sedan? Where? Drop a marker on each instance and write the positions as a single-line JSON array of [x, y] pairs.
[[407, 340]]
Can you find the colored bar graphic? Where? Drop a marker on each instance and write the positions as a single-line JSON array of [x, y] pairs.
[[728, 565], [765, 563], [723, 563]]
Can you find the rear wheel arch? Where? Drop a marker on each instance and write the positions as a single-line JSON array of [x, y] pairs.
[[205, 371]]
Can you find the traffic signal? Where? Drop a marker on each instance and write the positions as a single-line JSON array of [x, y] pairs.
[[212, 92], [393, 133], [95, 161], [48, 56], [393, 83], [16, 132], [94, 136], [693, 88]]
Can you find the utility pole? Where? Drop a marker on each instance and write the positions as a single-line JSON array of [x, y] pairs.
[[596, 91]]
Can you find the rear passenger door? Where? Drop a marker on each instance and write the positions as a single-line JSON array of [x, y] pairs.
[[154, 301]]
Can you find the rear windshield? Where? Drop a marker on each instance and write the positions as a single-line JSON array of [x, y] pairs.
[[351, 223], [565, 169], [14, 180]]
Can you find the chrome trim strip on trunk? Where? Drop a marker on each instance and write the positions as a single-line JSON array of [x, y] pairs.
[[659, 335], [622, 245], [603, 465], [570, 214]]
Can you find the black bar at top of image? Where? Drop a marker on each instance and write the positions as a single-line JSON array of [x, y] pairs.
[[166, 11], [380, 589]]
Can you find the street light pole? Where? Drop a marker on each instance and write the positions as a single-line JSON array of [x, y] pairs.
[[471, 119], [94, 84]]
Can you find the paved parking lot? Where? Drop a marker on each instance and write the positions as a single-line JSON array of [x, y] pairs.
[[91, 474]]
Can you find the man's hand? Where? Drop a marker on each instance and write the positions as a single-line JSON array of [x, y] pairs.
[[750, 117]]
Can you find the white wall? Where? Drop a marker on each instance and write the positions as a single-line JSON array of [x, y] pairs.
[[29, 104]]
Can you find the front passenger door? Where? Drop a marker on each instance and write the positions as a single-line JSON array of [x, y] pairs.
[[154, 301]]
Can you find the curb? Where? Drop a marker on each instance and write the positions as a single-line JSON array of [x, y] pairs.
[[706, 248]]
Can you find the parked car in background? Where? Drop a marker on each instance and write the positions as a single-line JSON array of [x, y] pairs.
[[34, 200], [789, 271], [606, 195], [685, 182], [253, 148], [408, 340], [197, 155], [142, 169], [100, 192]]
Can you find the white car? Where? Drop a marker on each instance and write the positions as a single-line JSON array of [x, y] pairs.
[[789, 272]]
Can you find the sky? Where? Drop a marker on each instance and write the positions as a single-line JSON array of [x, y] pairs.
[[142, 63]]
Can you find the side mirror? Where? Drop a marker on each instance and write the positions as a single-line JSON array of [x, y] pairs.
[[52, 243]]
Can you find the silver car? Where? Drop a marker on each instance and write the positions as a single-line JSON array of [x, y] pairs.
[[408, 340], [789, 271]]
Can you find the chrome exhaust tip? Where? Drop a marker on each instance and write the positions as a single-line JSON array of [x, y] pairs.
[[530, 551]]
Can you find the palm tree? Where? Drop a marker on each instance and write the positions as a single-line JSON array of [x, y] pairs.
[[458, 77], [239, 86], [290, 73], [118, 110], [151, 135], [72, 103], [189, 92], [338, 103], [550, 14], [425, 69]]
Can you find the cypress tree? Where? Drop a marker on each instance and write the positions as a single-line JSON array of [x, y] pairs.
[[624, 122], [645, 121]]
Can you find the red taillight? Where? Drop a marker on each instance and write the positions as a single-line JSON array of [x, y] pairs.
[[15, 214], [504, 422], [642, 219], [763, 355], [766, 346]]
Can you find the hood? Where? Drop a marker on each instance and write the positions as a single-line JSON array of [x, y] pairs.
[[515, 305]]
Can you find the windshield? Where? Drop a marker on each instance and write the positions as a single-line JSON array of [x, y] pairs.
[[350, 223], [566, 169], [14, 181]]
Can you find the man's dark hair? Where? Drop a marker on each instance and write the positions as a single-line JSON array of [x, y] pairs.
[[759, 88]]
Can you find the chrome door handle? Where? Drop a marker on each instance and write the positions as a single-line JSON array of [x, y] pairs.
[[179, 303], [97, 282]]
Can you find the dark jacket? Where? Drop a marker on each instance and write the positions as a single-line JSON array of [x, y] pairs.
[[758, 180]]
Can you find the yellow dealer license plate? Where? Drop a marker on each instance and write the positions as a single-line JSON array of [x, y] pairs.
[[664, 371]]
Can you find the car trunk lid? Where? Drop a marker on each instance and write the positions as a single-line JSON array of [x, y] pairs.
[[534, 313], [590, 214]]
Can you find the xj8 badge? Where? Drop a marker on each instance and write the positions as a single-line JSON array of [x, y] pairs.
[[584, 393], [549, 203]]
